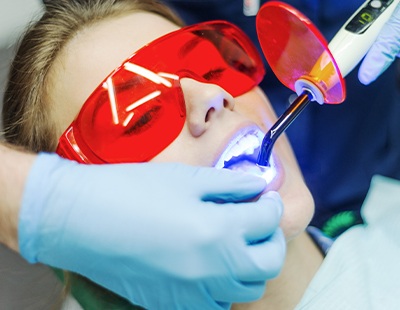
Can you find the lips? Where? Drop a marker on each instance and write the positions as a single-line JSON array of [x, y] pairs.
[[241, 155]]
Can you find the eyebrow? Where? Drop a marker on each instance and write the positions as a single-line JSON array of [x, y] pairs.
[[189, 46], [99, 102], [186, 49], [118, 88]]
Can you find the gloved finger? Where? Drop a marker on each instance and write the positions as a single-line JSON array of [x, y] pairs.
[[228, 186], [259, 219], [194, 296], [236, 291], [266, 258], [182, 295], [383, 52], [264, 262]]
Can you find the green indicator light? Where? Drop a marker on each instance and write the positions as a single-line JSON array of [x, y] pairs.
[[366, 18]]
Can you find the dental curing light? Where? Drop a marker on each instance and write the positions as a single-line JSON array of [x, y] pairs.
[[301, 59]]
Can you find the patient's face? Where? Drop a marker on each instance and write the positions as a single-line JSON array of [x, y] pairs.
[[214, 117]]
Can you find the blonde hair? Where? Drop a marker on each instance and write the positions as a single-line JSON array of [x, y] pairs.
[[26, 111]]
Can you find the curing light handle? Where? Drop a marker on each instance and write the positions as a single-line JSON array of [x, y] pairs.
[[280, 126], [357, 35], [348, 47]]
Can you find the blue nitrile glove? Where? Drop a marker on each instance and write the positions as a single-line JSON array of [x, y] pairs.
[[151, 233], [383, 52]]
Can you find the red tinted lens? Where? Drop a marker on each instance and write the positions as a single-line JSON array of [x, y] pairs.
[[216, 52], [132, 117], [139, 109]]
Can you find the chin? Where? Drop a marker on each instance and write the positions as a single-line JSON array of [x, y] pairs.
[[298, 211]]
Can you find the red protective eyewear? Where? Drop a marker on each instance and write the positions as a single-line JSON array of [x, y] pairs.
[[139, 109]]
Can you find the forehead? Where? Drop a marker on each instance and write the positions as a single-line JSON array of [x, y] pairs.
[[93, 53]]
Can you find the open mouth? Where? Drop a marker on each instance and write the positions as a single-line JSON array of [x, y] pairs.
[[241, 154]]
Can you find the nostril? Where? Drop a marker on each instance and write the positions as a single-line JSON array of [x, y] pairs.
[[229, 103], [208, 114]]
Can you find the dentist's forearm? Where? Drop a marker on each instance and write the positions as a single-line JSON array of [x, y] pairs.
[[14, 169]]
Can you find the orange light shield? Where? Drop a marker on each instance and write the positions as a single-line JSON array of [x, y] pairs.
[[295, 49]]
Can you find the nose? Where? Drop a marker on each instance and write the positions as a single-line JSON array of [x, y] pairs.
[[205, 103]]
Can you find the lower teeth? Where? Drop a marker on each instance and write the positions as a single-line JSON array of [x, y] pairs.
[[245, 166]]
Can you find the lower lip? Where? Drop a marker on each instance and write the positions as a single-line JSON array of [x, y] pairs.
[[273, 175], [267, 173]]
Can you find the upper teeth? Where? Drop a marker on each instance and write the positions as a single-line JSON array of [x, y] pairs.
[[245, 145]]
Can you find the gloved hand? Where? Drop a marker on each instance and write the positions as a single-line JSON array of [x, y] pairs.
[[383, 52], [152, 232]]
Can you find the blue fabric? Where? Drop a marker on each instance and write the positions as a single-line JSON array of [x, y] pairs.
[[339, 147], [322, 241]]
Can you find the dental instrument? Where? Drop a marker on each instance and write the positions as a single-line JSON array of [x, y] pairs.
[[302, 60]]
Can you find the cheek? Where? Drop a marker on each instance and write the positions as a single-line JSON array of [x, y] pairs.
[[188, 150], [175, 151], [298, 208], [297, 199]]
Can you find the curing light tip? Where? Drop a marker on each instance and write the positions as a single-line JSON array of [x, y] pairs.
[[280, 126]]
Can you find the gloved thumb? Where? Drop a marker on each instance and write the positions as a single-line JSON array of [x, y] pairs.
[[383, 52], [228, 186]]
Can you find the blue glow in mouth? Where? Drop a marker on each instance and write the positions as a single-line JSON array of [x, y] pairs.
[[242, 154], [237, 160], [244, 147], [267, 173]]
